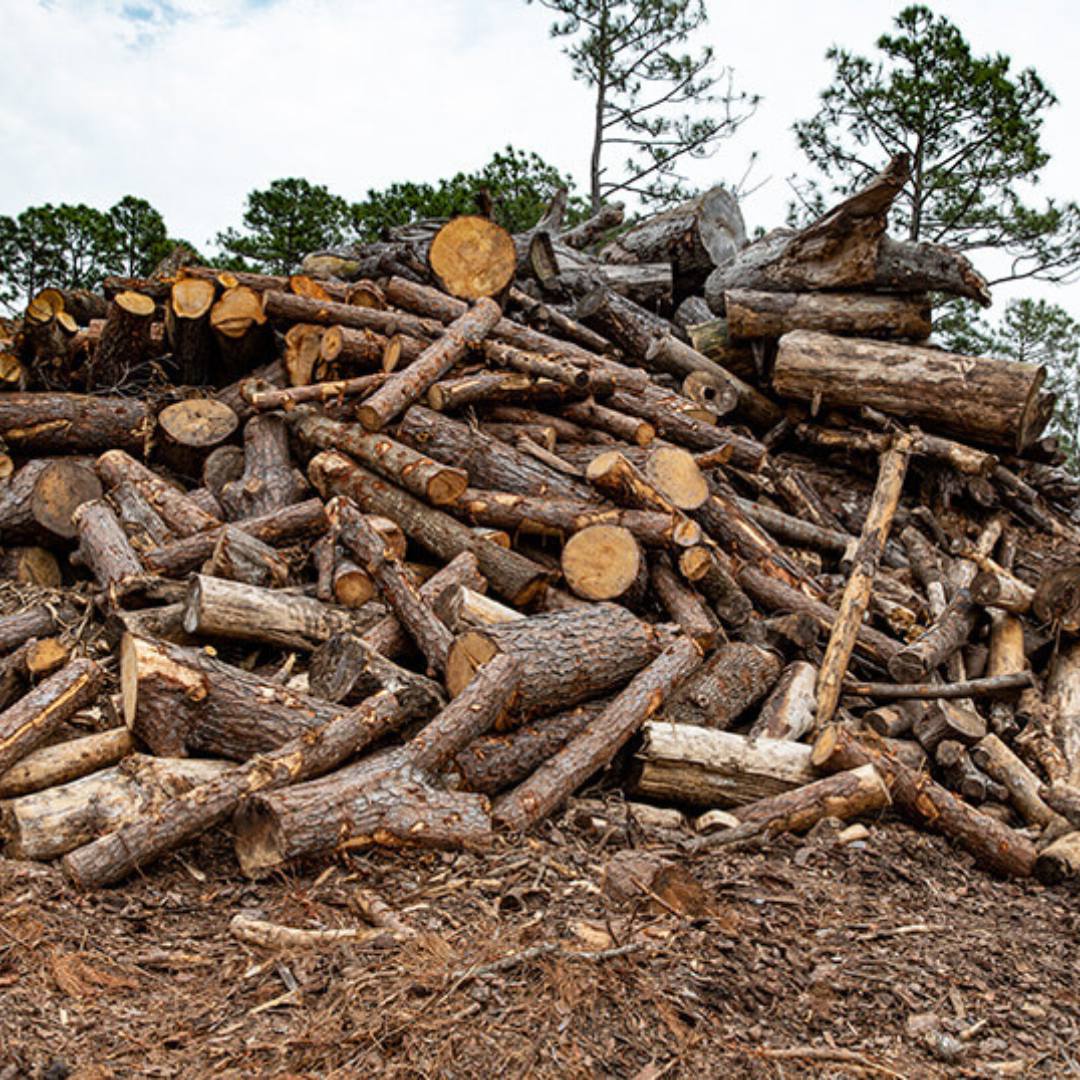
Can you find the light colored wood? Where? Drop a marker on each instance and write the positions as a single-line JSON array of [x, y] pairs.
[[473, 257], [51, 766], [605, 562]]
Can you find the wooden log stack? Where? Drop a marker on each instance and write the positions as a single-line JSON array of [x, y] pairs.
[[491, 518]]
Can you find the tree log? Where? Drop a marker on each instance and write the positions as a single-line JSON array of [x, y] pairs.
[[788, 711], [735, 677], [190, 430], [28, 664], [950, 632], [243, 335], [599, 742], [472, 257], [1060, 861], [104, 547], [187, 328], [605, 562], [995, 759], [66, 423], [238, 556], [39, 621], [270, 482], [51, 766], [702, 567], [683, 605], [143, 524], [124, 341], [990, 401], [37, 503], [1063, 697], [773, 314]]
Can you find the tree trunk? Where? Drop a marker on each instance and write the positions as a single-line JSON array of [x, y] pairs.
[[702, 567], [566, 657], [605, 562], [684, 763], [243, 335], [67, 423], [995, 759], [773, 314], [270, 481], [591, 414], [599, 742], [37, 503], [735, 677], [104, 547], [990, 401], [124, 341], [511, 575], [683, 605], [429, 480], [33, 718], [190, 430], [944, 720], [238, 556], [187, 328]]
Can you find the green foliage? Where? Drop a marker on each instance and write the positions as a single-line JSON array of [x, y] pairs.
[[139, 237], [972, 128], [283, 223], [1035, 332], [654, 102], [519, 183]]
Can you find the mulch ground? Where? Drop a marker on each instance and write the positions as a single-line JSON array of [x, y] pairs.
[[888, 957]]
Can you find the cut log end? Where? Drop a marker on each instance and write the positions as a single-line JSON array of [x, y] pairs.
[[603, 562], [473, 257]]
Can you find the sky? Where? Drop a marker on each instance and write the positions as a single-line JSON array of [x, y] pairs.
[[193, 103]]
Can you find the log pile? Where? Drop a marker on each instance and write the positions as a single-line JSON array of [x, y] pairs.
[[407, 548]]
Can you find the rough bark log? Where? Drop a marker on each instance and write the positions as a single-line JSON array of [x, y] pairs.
[[183, 516], [773, 314], [124, 342], [190, 430], [243, 334], [239, 556], [143, 524], [702, 567], [999, 762], [103, 545], [735, 677], [591, 414], [38, 621], [51, 766], [683, 605], [944, 720], [187, 328], [66, 423], [37, 503], [28, 664], [270, 481], [600, 741], [950, 632]]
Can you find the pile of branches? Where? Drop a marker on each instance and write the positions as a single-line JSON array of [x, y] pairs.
[[410, 547]]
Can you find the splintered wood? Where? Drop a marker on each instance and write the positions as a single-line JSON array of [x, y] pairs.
[[411, 555]]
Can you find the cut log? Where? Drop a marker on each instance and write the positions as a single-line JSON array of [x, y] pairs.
[[735, 677], [231, 609], [239, 556], [1057, 598], [163, 827], [406, 386], [270, 481], [856, 598], [590, 413], [187, 328], [1063, 697], [488, 462], [949, 633], [993, 844], [428, 479], [675, 474], [242, 332], [143, 524], [683, 605], [773, 314], [104, 547], [962, 774], [345, 346], [38, 621], [124, 341], [190, 430], [605, 562], [346, 669], [944, 720], [599, 742], [996, 402], [1060, 861], [37, 503], [684, 763], [51, 766], [995, 759], [565, 657], [473, 257], [183, 516], [1064, 799], [31, 566], [587, 232], [46, 824], [511, 575], [28, 664], [702, 567], [387, 571], [33, 718], [788, 711], [995, 587], [66, 423], [716, 397]]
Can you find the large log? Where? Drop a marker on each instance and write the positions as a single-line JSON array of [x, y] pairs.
[[513, 576], [788, 712], [472, 257], [33, 718], [735, 677], [772, 314], [46, 824], [66, 423], [605, 562], [103, 545], [179, 512], [37, 503], [39, 620], [430, 480], [51, 766], [270, 482], [600, 741], [685, 763], [565, 657], [187, 328], [996, 402], [124, 342]]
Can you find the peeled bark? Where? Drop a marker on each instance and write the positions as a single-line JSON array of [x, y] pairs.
[[789, 710]]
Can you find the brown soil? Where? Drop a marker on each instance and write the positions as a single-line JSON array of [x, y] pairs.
[[893, 957]]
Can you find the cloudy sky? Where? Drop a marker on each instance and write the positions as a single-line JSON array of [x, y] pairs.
[[192, 103]]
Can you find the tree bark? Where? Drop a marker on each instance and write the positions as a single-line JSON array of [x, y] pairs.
[[41, 620], [37, 503], [1060, 861], [682, 604], [591, 414], [270, 481], [187, 328], [104, 547], [596, 746], [143, 524], [735, 677], [190, 430], [950, 632], [238, 556], [67, 423], [703, 568], [124, 341], [995, 759], [772, 314]]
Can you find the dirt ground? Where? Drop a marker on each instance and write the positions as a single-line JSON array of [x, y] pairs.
[[890, 957]]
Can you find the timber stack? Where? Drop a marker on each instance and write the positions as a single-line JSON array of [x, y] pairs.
[[408, 547]]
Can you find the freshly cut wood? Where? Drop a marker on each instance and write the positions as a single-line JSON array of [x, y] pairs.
[[993, 844], [303, 347], [494, 762], [1060, 861], [426, 478], [675, 474], [37, 503], [29, 663], [599, 742], [66, 423], [51, 766], [513, 576], [462, 608], [488, 462], [996, 759], [605, 562], [191, 429], [387, 571], [735, 677], [103, 545], [182, 515], [219, 608], [239, 556], [124, 341], [685, 763], [46, 824], [160, 828], [473, 257], [344, 345], [346, 669], [772, 314], [33, 718], [990, 401], [270, 481], [406, 386], [592, 414], [243, 334], [703, 568], [683, 605], [302, 521], [788, 712], [860, 583], [187, 328], [565, 656]]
